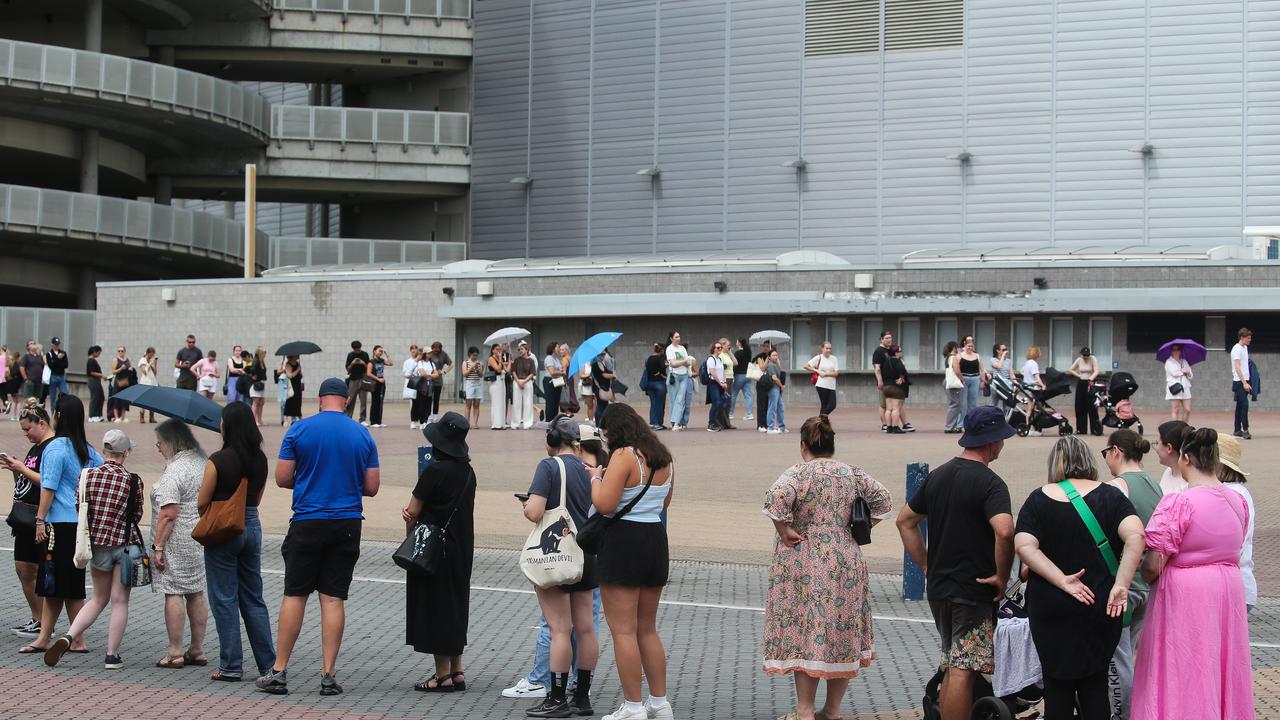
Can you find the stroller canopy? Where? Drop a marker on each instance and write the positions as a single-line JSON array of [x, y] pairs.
[[1122, 386], [1056, 383]]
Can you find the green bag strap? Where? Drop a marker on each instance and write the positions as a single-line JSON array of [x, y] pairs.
[[1099, 537]]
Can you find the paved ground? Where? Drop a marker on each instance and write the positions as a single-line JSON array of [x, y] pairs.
[[711, 621]]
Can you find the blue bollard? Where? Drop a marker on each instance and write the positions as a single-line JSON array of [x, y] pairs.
[[425, 458], [912, 575]]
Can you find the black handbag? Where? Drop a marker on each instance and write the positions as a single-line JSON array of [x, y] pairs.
[[591, 533], [1176, 389], [22, 517], [860, 521], [423, 548]]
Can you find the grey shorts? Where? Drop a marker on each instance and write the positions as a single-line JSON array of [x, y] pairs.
[[105, 558], [472, 389]]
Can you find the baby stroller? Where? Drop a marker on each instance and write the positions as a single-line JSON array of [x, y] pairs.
[[1027, 408], [1112, 396]]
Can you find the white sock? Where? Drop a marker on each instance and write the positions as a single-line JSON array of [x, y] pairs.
[[633, 706], [656, 701]]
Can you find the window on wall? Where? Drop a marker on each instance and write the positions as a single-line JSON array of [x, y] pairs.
[[984, 337], [801, 342], [1061, 352], [1100, 342], [945, 331], [838, 335], [909, 340], [1022, 336], [871, 329]]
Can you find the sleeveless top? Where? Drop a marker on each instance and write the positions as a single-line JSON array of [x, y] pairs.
[[969, 367], [649, 509]]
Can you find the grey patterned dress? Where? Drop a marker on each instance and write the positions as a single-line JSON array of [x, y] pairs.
[[184, 557]]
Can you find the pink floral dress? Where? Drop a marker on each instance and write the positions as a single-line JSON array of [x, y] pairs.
[[817, 617]]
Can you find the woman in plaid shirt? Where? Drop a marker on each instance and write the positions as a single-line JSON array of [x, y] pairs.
[[114, 496]]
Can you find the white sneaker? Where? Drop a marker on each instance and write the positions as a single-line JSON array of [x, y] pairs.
[[364, 423], [663, 713], [775, 431], [730, 416], [622, 713], [1034, 433], [523, 689], [749, 416], [413, 426], [763, 429]]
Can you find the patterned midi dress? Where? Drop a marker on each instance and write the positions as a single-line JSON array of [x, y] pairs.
[[184, 558], [817, 617]]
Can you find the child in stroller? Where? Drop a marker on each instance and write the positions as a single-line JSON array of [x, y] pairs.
[[1027, 407], [1113, 395]]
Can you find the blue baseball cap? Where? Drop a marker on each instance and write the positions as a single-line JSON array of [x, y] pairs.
[[333, 386]]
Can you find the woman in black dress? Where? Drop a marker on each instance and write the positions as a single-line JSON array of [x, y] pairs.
[[437, 605], [1074, 601], [293, 406]]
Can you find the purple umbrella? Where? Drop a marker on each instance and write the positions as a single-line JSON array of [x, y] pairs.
[[1192, 351]]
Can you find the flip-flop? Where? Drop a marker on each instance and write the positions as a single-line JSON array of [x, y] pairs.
[[30, 650], [169, 663], [189, 659], [219, 677], [79, 652], [819, 715]]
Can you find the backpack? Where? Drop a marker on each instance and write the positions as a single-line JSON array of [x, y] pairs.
[[703, 377]]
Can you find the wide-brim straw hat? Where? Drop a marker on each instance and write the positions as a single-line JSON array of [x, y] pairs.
[[1229, 452]]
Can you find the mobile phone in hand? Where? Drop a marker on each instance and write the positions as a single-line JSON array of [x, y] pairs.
[[522, 497]]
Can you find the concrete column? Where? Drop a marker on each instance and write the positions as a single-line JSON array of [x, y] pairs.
[[87, 289], [229, 209], [324, 221], [164, 189], [89, 162], [165, 55], [93, 25]]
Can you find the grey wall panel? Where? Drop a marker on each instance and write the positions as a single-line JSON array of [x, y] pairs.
[[560, 72], [1099, 191], [622, 102], [922, 85], [920, 189], [1100, 55], [1008, 186], [621, 201], [1195, 53], [1195, 176], [763, 196], [557, 200], [1010, 59], [691, 194], [1263, 193], [497, 206]]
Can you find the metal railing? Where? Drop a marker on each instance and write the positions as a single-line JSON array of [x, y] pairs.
[[407, 9], [130, 222], [75, 328], [109, 77], [287, 251], [369, 126]]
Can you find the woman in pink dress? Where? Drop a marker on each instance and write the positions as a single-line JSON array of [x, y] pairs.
[[1193, 657]]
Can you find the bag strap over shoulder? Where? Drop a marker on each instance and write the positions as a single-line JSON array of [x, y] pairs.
[[647, 482], [1091, 522], [564, 498], [471, 478]]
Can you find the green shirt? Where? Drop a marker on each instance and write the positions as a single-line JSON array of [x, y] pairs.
[[1145, 494]]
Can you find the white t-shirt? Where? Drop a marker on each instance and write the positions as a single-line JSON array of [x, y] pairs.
[[1240, 353], [1246, 550], [827, 364], [677, 352], [1170, 483], [715, 369], [1030, 370]]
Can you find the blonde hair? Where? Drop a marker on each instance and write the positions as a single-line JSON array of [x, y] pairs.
[[1071, 458], [1033, 352]]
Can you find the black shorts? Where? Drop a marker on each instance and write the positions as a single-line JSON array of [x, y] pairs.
[[589, 579], [67, 582], [320, 556], [968, 630], [24, 546], [633, 554]]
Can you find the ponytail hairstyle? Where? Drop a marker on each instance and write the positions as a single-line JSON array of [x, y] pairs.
[[1130, 444], [818, 437], [1200, 448]]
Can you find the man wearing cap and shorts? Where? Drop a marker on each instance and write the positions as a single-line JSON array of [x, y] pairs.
[[56, 361], [331, 463], [970, 551]]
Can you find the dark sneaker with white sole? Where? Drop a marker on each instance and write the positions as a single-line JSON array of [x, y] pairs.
[[113, 662], [275, 682], [329, 685], [30, 629], [550, 708], [57, 650]]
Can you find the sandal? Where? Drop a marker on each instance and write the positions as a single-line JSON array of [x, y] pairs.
[[171, 663], [31, 650], [219, 677], [190, 659], [459, 681], [426, 686], [819, 715]]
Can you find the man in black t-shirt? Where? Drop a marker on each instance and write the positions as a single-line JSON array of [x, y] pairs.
[[56, 361], [188, 356], [357, 370], [880, 359], [970, 551]]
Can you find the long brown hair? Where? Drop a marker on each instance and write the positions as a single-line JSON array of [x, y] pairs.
[[623, 427]]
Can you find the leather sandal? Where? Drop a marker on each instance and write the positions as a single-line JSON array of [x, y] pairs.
[[171, 663], [190, 659], [426, 686], [459, 681]]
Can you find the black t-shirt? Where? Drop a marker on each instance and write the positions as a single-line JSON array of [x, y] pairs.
[[740, 359], [655, 368], [891, 370], [190, 355], [227, 463], [57, 362], [23, 489], [546, 482], [91, 366], [359, 370], [960, 498], [880, 357]]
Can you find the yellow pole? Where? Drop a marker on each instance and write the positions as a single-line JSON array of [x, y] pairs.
[[250, 218]]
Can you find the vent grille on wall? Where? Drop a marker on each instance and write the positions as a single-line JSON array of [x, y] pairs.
[[845, 27]]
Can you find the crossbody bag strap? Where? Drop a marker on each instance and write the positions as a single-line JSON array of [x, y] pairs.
[[1091, 522], [564, 498], [457, 503], [647, 482]]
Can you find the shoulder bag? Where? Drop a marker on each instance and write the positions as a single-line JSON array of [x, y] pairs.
[[952, 381], [84, 550], [1176, 389], [136, 572], [591, 534], [754, 372], [1099, 538], [551, 555], [223, 519], [22, 518], [423, 548], [860, 521]]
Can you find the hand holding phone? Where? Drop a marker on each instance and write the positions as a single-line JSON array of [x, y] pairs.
[[522, 497]]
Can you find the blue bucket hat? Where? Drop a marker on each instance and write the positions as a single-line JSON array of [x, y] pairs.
[[985, 425]]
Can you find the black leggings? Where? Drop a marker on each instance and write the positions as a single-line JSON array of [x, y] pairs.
[[826, 401], [762, 406], [421, 407], [375, 407], [1086, 411], [1061, 698]]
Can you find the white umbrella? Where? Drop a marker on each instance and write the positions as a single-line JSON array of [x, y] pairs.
[[775, 337], [506, 335]]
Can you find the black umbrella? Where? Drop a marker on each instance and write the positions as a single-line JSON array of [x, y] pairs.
[[297, 347], [188, 406]]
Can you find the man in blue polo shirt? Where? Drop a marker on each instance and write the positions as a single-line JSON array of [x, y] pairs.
[[331, 463]]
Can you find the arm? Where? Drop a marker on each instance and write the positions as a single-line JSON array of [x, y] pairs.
[[1152, 566], [1035, 559], [410, 513], [908, 523], [372, 481], [534, 508], [207, 485], [879, 377], [606, 493], [284, 473], [1002, 524], [1134, 543], [787, 534], [42, 511], [164, 526]]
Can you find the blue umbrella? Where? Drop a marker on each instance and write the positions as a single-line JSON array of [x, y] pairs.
[[1192, 351], [590, 348], [188, 406]]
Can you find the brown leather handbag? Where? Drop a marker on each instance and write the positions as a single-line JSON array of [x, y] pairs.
[[223, 519]]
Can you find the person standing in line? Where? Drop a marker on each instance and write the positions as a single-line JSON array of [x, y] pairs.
[[554, 382], [233, 568], [879, 358], [508, 391], [967, 364], [472, 386], [12, 382], [188, 356], [894, 392], [378, 374], [6, 396], [34, 422], [357, 366], [1241, 382], [93, 378], [1032, 381], [726, 357], [56, 361], [1085, 368], [1177, 371], [292, 373], [1233, 478], [695, 372], [179, 559], [655, 370], [999, 364], [953, 385], [147, 376], [777, 404], [970, 553], [258, 383], [443, 366], [494, 374], [31, 367], [678, 361], [331, 463], [415, 373], [587, 390], [235, 369], [207, 372], [741, 383], [524, 373], [603, 373], [122, 377], [717, 386], [827, 368], [762, 387]]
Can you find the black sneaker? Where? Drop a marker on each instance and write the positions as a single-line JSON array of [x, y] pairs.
[[884, 428], [275, 682], [113, 662], [908, 427], [29, 629], [329, 685], [581, 705], [550, 708], [1246, 435]]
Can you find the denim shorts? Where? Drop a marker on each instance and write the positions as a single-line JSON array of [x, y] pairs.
[[105, 557]]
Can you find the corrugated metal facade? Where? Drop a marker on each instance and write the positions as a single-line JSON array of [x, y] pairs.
[[1049, 97]]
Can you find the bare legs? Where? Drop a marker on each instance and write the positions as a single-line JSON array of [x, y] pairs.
[[27, 579], [49, 618], [332, 621], [106, 588], [177, 609], [955, 697], [807, 693], [632, 614], [257, 404], [1180, 410]]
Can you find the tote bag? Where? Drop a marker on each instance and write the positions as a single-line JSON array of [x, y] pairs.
[[223, 520], [951, 381], [551, 555], [84, 551]]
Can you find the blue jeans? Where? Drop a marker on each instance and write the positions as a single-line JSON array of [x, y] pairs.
[[234, 574], [717, 399], [57, 388], [970, 397], [540, 674], [742, 384], [677, 391], [688, 401], [1241, 395], [657, 392], [776, 420]]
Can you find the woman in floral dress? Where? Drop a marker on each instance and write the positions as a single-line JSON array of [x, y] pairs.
[[817, 617]]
